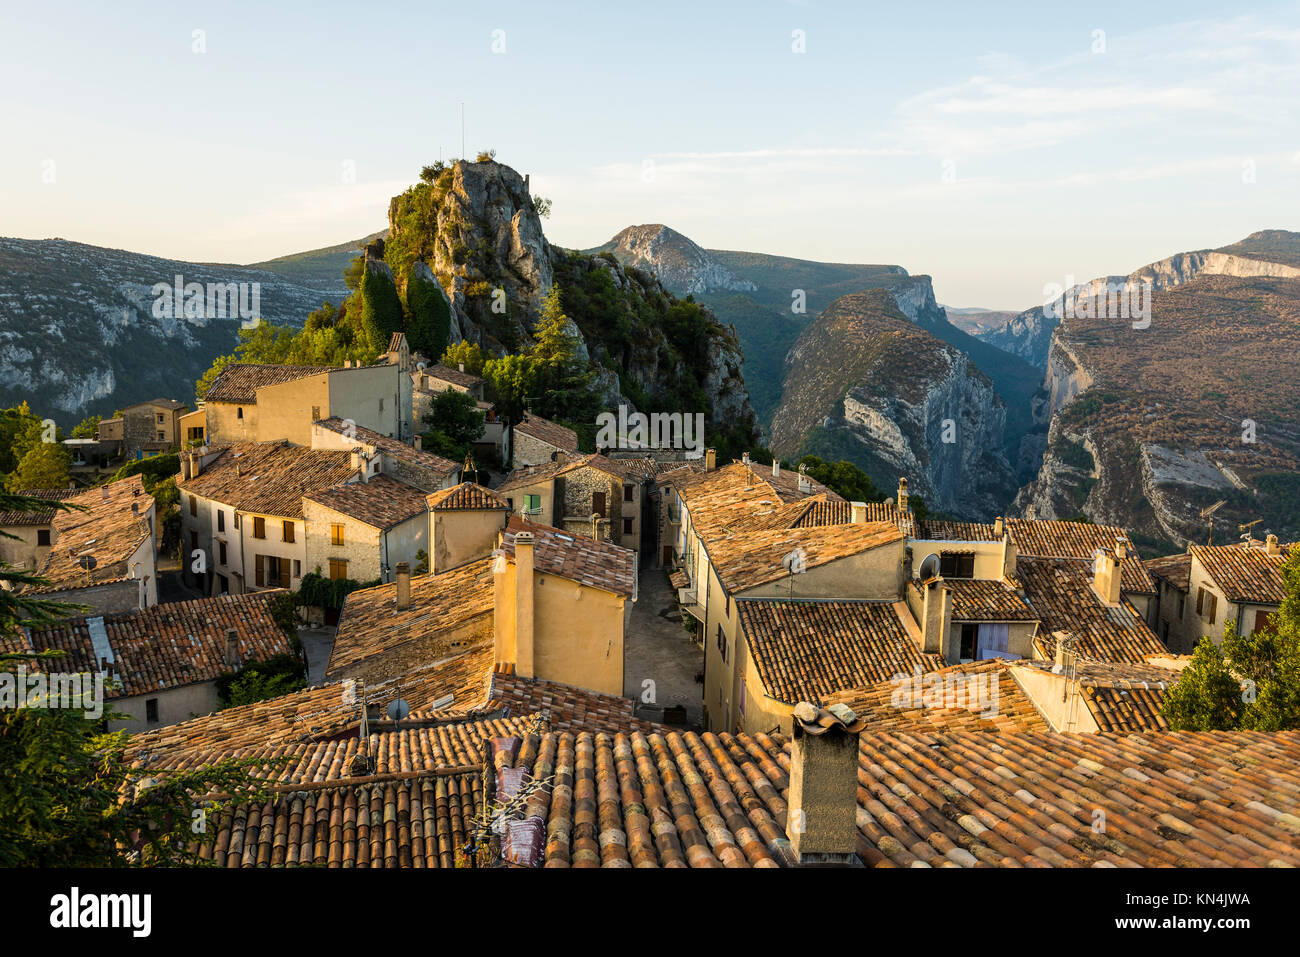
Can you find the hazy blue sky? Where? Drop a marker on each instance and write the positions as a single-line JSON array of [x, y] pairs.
[[1182, 134]]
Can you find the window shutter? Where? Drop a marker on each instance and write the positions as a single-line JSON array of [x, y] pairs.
[[261, 571]]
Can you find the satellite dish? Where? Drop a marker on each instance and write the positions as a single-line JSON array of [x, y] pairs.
[[398, 710], [796, 563], [930, 568], [87, 562]]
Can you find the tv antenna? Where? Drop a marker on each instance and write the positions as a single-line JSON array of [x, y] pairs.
[[796, 563], [1207, 516], [1248, 538]]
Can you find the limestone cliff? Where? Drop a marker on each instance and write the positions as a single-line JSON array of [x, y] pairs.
[[677, 262], [868, 383]]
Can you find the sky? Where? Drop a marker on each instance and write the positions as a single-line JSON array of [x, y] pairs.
[[998, 149]]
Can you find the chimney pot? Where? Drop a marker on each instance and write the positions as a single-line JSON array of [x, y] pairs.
[[105, 493], [1271, 546], [710, 459], [902, 494], [858, 512], [776, 469], [419, 443], [997, 527], [403, 586]]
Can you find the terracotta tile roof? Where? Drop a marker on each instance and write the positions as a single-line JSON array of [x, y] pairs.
[[806, 650], [239, 381], [104, 529], [1244, 574], [269, 478], [748, 559], [370, 623], [940, 530], [386, 822], [978, 599], [319, 713], [566, 708], [584, 560], [927, 799], [529, 475], [395, 341], [978, 696], [43, 517], [418, 747], [165, 646], [618, 468], [552, 433], [1039, 538], [465, 497], [382, 502], [1060, 592], [1175, 569], [391, 447], [825, 508], [1121, 697], [639, 467], [454, 376]]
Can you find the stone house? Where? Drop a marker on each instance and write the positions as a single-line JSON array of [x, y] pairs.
[[381, 454], [103, 554], [587, 495], [249, 402], [535, 440], [145, 429], [160, 664], [362, 530], [242, 511], [26, 537], [561, 608]]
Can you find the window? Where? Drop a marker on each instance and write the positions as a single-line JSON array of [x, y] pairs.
[[598, 503], [43, 537], [221, 552], [194, 505], [338, 568], [957, 565], [336, 534], [161, 420], [627, 493], [1213, 607], [297, 568], [288, 532], [315, 413], [381, 405], [1164, 632], [259, 527], [1182, 606], [151, 710], [627, 526], [968, 649], [532, 504], [221, 519], [239, 413], [1200, 601], [722, 643], [236, 520], [162, 436], [1262, 622]]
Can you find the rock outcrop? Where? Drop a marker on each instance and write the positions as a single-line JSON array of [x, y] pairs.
[[683, 267]]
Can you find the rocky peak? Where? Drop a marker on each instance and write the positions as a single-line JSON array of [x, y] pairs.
[[679, 263]]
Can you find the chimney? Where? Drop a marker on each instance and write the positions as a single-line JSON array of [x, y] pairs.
[[187, 466], [196, 464], [804, 484], [1106, 576], [936, 618], [561, 457], [776, 469], [822, 819], [1271, 546], [135, 509], [1121, 549], [105, 493], [403, 586], [858, 512], [710, 459], [231, 656], [462, 367], [997, 527], [902, 495], [419, 443], [1010, 555], [524, 604]]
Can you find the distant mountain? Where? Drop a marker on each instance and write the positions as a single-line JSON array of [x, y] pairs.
[[319, 268], [79, 335], [976, 321], [681, 265], [1150, 425], [870, 383], [769, 299], [1270, 252]]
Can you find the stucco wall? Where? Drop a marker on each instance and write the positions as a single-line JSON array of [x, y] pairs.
[[174, 705], [460, 537]]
